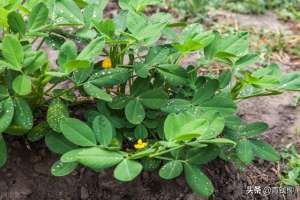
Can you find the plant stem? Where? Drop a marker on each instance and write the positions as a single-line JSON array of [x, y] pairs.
[[50, 88], [166, 151], [179, 59], [62, 93], [41, 44]]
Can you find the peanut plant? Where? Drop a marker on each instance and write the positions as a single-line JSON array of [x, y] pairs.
[[118, 96]]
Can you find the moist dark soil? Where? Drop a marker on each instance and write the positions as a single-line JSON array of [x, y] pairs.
[[26, 175]]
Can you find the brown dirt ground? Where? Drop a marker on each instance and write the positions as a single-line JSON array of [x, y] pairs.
[[27, 175]]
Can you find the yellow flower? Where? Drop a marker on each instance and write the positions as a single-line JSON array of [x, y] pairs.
[[140, 144], [106, 63]]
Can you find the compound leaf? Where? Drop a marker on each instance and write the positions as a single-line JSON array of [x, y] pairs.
[[171, 170], [56, 112], [127, 170], [77, 132], [198, 181]]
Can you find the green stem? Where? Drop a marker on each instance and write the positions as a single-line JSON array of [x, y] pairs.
[[63, 92], [179, 59], [50, 88], [166, 151], [41, 44]]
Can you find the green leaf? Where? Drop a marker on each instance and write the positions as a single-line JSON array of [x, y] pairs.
[[244, 151], [171, 169], [6, 113], [4, 65], [119, 102], [96, 92], [127, 170], [156, 55], [68, 12], [198, 181], [225, 57], [67, 96], [224, 141], [176, 106], [3, 151], [138, 5], [216, 124], [67, 52], [22, 85], [77, 132], [272, 70], [206, 92], [222, 104], [246, 60], [16, 22], [140, 132], [225, 79], [184, 124], [224, 49], [264, 150], [57, 143], [71, 156], [110, 77], [290, 81], [145, 31], [52, 40], [38, 132], [86, 34], [253, 129], [3, 17], [200, 156], [103, 130], [142, 70], [3, 92], [12, 51], [82, 75], [92, 50], [57, 111], [94, 11], [175, 75], [150, 164], [38, 17], [139, 86], [34, 61], [232, 121], [135, 112], [62, 169], [125, 4], [236, 44], [154, 99], [76, 65], [193, 38], [23, 116], [106, 27], [151, 123], [97, 158]]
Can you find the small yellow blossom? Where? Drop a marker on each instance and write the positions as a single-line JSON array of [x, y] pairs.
[[106, 63], [140, 144]]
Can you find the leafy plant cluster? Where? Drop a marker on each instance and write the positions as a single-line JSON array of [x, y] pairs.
[[140, 109], [290, 174], [192, 8], [286, 9]]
